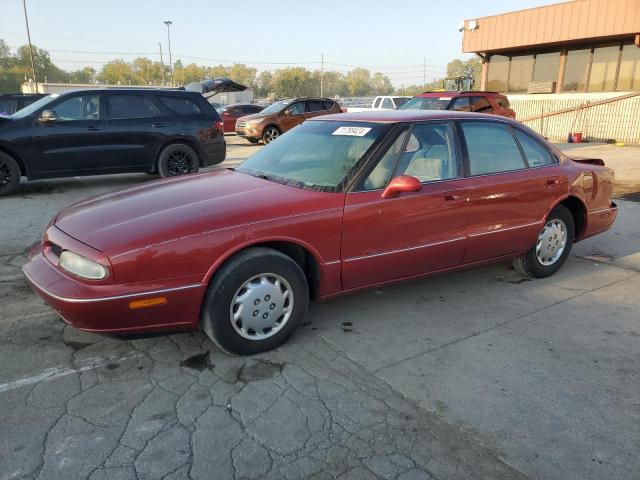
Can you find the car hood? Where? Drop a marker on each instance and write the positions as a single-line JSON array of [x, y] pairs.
[[256, 116], [165, 210]]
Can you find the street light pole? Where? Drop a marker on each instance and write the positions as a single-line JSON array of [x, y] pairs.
[[33, 63], [168, 24]]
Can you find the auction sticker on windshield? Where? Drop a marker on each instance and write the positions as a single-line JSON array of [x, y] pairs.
[[352, 131]]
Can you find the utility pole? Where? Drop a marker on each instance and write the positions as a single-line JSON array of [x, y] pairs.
[[33, 63], [168, 24], [161, 63], [424, 74], [321, 74]]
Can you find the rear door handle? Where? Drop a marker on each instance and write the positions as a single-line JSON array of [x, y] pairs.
[[452, 197], [93, 129], [158, 125], [552, 181]]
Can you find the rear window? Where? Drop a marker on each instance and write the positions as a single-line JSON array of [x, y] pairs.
[[426, 103], [328, 105], [8, 107], [181, 105], [130, 106], [480, 104]]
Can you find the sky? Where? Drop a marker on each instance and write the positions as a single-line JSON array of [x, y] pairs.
[[395, 38]]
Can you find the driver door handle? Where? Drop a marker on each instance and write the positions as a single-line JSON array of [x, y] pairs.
[[158, 125], [452, 197], [93, 129]]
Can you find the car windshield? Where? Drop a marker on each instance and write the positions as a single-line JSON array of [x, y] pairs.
[[401, 101], [276, 107], [426, 103], [316, 155], [29, 109]]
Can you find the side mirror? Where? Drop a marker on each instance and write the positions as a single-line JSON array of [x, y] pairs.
[[48, 116], [401, 184]]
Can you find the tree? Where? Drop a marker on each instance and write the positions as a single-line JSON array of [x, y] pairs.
[[148, 72], [291, 82], [459, 68], [381, 85], [85, 75], [263, 84], [359, 81], [116, 72], [188, 74], [242, 74]]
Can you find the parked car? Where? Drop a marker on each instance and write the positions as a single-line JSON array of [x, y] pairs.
[[231, 113], [10, 103], [471, 101], [340, 203], [91, 132], [383, 102], [282, 116]]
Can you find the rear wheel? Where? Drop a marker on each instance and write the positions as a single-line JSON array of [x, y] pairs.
[[177, 159], [270, 134], [552, 246], [255, 301], [9, 174]]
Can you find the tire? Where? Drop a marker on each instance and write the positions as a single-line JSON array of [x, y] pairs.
[[545, 258], [177, 159], [9, 174], [243, 294], [270, 134]]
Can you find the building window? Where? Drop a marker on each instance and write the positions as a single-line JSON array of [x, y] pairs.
[[629, 77], [520, 73], [603, 68], [546, 67], [498, 73], [576, 70]]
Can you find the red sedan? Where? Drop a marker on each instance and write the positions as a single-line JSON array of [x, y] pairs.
[[231, 113], [340, 203]]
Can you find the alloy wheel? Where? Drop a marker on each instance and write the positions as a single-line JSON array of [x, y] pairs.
[[180, 162], [262, 306], [551, 242], [270, 135]]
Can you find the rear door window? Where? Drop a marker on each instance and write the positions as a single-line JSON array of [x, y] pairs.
[[491, 148], [315, 106], [129, 106], [181, 105], [537, 155], [503, 102], [460, 104], [327, 105], [480, 105]]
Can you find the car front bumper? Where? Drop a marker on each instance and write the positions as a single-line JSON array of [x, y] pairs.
[[107, 308]]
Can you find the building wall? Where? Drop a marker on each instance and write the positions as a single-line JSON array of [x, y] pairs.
[[556, 24], [612, 121]]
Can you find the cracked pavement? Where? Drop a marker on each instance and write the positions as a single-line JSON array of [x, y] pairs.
[[479, 374]]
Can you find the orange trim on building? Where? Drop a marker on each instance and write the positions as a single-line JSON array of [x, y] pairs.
[[569, 22]]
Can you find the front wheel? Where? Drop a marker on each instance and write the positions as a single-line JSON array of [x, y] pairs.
[[552, 246], [177, 159], [9, 174], [255, 301], [270, 134]]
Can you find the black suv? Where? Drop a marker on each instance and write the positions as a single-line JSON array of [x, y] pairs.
[[10, 103], [101, 131]]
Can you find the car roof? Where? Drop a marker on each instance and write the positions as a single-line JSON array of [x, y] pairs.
[[243, 104], [459, 94], [130, 90], [400, 116]]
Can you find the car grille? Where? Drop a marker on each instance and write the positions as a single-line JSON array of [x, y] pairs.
[[241, 124]]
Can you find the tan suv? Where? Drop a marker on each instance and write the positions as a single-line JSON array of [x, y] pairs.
[[276, 119]]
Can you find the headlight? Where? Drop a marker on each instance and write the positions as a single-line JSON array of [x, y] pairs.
[[254, 121], [81, 266]]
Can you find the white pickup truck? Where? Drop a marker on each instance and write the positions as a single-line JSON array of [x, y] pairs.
[[383, 102]]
